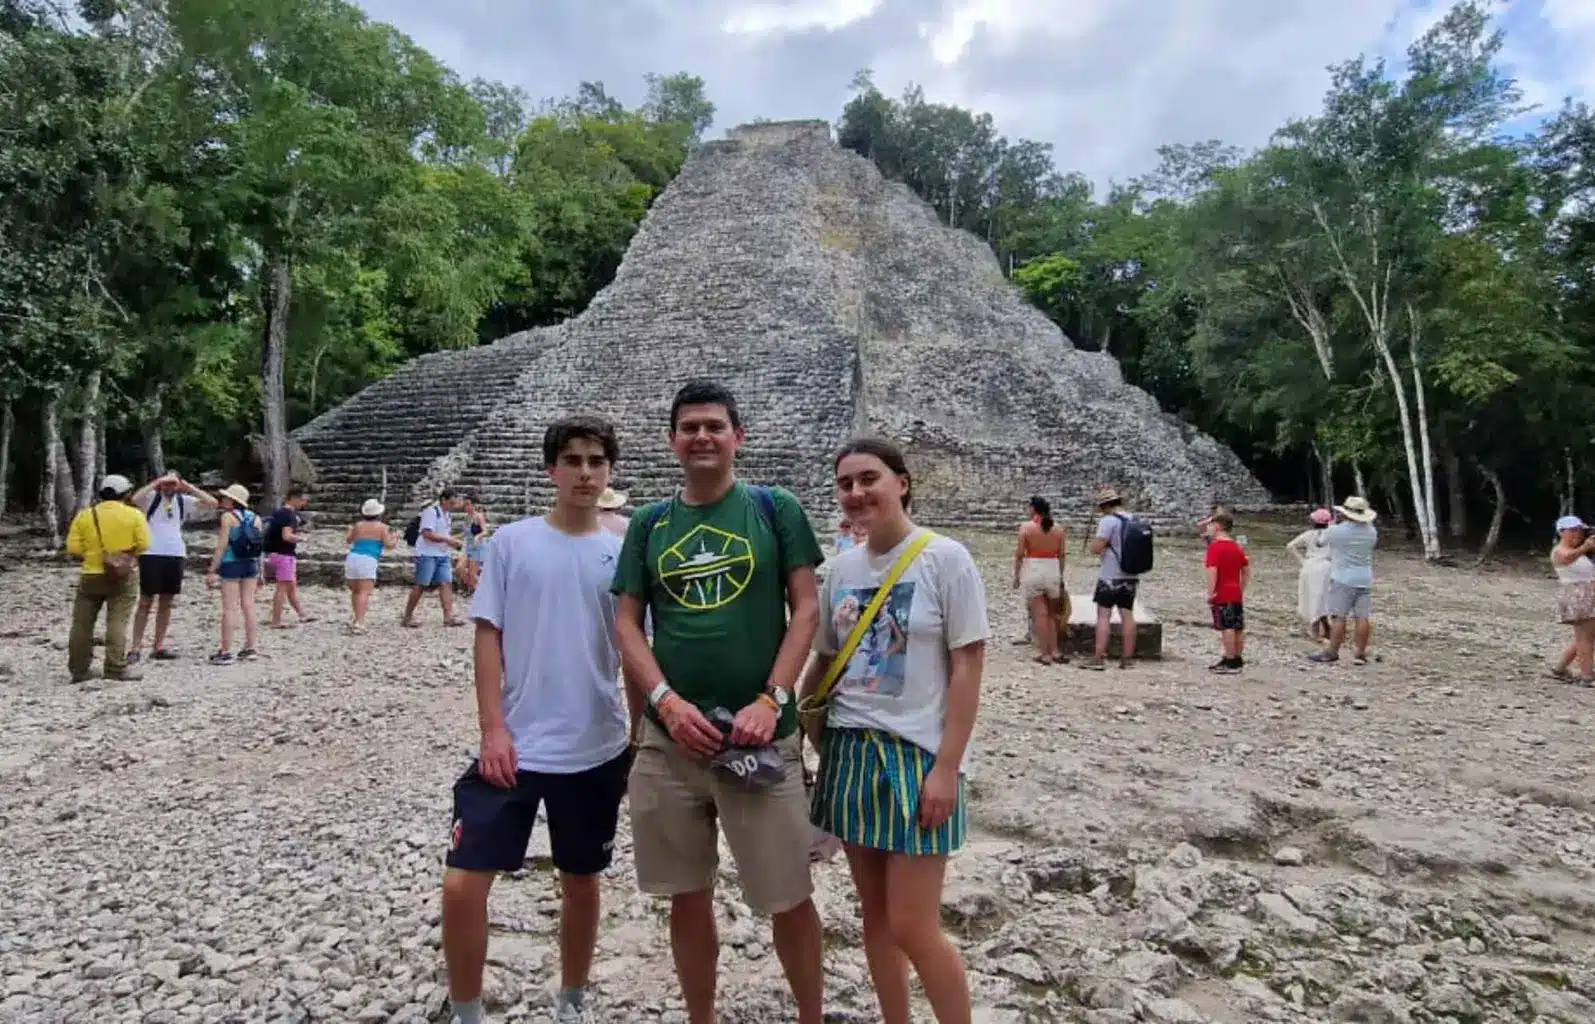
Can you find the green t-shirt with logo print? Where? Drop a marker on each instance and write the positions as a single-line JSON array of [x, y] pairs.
[[709, 574]]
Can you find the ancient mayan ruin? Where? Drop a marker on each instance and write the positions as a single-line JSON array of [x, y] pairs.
[[833, 302]]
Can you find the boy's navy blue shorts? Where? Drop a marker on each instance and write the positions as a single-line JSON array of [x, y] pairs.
[[493, 827]]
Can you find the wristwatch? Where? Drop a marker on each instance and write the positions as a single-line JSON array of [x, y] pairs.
[[779, 694]]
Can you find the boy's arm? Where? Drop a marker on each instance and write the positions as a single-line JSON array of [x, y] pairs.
[[1212, 582]]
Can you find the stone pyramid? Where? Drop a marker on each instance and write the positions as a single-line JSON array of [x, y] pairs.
[[832, 302]]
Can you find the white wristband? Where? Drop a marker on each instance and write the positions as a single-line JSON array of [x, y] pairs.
[[658, 694]]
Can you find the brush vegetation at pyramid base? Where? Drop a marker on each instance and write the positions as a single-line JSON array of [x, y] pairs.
[[833, 303]]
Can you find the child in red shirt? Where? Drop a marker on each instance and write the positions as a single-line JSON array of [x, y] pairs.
[[1228, 572]]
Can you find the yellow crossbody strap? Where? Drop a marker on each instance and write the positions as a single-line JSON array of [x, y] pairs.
[[856, 637]]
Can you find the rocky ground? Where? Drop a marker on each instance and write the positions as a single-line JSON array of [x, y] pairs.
[[1411, 841]]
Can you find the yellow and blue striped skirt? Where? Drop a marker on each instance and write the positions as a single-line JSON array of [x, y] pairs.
[[868, 794]]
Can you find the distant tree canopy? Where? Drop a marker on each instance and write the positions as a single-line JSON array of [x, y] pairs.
[[220, 218], [1393, 296]]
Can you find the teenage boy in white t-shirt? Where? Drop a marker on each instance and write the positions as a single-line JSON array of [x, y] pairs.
[[167, 502], [555, 721]]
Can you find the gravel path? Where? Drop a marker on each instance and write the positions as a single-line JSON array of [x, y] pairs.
[[1411, 841]]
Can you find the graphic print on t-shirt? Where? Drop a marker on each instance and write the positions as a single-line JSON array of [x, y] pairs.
[[881, 661], [708, 568]]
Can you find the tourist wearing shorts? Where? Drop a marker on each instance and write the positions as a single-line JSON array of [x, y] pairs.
[[1115, 588], [554, 720], [368, 538], [284, 530], [167, 502], [1228, 572], [1350, 600], [1575, 599], [235, 574], [434, 559], [1038, 565], [721, 566], [475, 551], [891, 781], [110, 527]]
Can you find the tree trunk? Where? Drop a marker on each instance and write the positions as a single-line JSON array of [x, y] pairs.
[[154, 440], [1357, 479], [1456, 500], [88, 435], [1431, 538], [1493, 535], [279, 296], [1570, 496], [1326, 472], [101, 449], [8, 424], [66, 493], [47, 485]]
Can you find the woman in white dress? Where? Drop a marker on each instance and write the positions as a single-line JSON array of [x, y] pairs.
[[1312, 584]]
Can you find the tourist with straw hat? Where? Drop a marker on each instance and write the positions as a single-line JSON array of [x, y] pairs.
[[1115, 587], [368, 538], [1351, 544], [609, 505], [235, 568]]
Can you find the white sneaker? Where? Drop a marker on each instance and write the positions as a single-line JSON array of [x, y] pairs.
[[571, 1013]]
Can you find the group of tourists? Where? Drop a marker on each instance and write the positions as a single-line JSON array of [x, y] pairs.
[[704, 731], [135, 558]]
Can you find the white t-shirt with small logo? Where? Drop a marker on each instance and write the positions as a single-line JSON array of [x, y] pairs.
[[434, 518], [166, 520], [548, 594], [896, 680]]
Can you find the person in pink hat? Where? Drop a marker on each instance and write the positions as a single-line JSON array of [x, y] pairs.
[[1311, 550]]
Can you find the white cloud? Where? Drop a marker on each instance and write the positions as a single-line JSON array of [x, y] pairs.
[[829, 15], [1008, 20]]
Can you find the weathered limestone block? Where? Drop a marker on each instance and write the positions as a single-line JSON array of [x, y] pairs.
[[832, 302], [1079, 637]]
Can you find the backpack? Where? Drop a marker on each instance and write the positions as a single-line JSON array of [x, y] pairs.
[[155, 503], [412, 529], [763, 497], [1135, 545], [246, 541]]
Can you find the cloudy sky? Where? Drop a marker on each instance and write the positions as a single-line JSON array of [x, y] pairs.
[[1105, 81]]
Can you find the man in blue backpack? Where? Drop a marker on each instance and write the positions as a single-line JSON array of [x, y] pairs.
[[1117, 584], [728, 571]]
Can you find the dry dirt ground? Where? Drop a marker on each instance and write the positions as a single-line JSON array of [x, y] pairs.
[[1410, 841]]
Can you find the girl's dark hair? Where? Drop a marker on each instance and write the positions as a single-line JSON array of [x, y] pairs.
[[887, 452], [1042, 508]]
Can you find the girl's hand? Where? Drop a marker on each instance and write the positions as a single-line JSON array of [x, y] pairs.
[[938, 797]]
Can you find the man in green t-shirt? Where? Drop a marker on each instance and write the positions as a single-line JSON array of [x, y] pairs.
[[728, 572]]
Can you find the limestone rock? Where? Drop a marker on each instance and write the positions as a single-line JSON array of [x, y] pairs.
[[831, 301]]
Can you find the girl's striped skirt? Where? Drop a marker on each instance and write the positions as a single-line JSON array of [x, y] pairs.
[[868, 794]]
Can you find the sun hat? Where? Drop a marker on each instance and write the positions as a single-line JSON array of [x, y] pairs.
[[1321, 517], [611, 499], [372, 508], [117, 484], [1569, 523], [1357, 509], [1108, 496], [237, 492]]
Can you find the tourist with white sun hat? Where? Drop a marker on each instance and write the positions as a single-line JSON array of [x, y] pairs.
[[368, 538], [1351, 544], [235, 569]]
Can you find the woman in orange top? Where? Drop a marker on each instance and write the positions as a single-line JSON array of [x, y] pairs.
[[1038, 571]]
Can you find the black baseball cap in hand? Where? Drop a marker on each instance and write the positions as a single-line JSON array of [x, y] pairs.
[[756, 769]]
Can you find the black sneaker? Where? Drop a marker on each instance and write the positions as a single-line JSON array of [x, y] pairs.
[[1225, 667], [163, 655], [221, 658], [248, 654]]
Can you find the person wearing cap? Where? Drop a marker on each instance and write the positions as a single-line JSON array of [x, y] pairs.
[[435, 546], [1310, 548], [1575, 603], [235, 568], [108, 536], [609, 505], [1351, 544], [167, 502], [1115, 588], [368, 538], [554, 721], [728, 570]]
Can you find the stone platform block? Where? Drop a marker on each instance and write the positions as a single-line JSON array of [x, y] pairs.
[[1078, 636]]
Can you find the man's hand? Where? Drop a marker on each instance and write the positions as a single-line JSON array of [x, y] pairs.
[[938, 797], [691, 731], [499, 759], [755, 724]]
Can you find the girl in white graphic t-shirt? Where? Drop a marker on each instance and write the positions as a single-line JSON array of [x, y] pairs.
[[891, 784]]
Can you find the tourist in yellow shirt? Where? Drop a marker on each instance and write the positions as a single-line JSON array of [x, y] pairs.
[[115, 528]]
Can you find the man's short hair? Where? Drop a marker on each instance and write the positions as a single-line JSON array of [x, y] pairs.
[[579, 428], [447, 494], [294, 492], [705, 392], [1224, 521]]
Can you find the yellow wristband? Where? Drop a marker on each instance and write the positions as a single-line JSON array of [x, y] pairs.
[[774, 705]]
